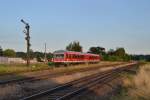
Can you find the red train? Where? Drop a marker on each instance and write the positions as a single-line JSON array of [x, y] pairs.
[[65, 57]]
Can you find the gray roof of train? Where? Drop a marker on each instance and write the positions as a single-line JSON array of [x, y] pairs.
[[62, 51]]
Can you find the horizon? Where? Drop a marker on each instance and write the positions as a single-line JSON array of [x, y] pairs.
[[109, 24]]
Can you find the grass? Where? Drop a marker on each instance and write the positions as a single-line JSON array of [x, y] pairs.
[[80, 67], [140, 86], [18, 68], [136, 87]]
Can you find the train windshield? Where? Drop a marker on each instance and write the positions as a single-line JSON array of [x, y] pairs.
[[59, 56]]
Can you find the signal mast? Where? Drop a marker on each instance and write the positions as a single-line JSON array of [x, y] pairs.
[[27, 38]]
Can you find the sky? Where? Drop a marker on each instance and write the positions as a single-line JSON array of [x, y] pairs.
[[106, 23]]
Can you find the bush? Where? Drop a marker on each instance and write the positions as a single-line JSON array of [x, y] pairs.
[[141, 84], [138, 86]]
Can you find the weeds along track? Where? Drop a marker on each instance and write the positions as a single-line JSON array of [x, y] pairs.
[[74, 88], [46, 76]]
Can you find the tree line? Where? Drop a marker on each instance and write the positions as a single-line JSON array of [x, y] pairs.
[[119, 54], [7, 52], [12, 53], [141, 57], [112, 55]]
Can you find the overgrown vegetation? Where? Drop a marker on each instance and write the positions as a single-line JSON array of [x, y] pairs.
[[141, 57], [136, 87], [33, 54], [17, 68], [112, 55]]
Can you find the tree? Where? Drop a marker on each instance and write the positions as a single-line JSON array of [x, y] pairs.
[[39, 56], [1, 51], [31, 54], [74, 46], [21, 55], [9, 53], [49, 56], [120, 52], [97, 50], [127, 57], [118, 55], [111, 52]]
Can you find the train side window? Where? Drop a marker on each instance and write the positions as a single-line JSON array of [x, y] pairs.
[[82, 56], [59, 56], [66, 55], [69, 56], [78, 56], [75, 56]]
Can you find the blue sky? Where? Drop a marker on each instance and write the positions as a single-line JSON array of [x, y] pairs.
[[106, 23]]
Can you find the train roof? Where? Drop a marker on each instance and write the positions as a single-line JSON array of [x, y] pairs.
[[65, 51], [73, 52], [59, 51]]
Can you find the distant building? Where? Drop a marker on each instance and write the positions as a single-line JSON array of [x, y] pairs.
[[7, 60], [3, 60], [16, 60]]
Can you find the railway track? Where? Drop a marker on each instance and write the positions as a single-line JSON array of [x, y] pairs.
[[74, 88], [40, 77]]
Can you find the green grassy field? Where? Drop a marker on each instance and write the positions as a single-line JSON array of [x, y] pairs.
[[17, 68]]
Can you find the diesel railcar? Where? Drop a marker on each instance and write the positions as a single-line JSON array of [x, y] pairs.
[[67, 57]]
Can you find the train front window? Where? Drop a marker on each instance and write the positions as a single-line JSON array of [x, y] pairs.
[[59, 56]]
